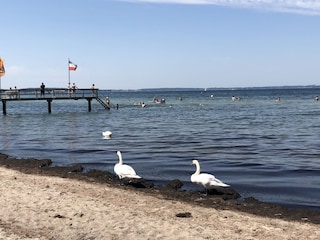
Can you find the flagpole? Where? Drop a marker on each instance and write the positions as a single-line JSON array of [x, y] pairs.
[[69, 86], [68, 72]]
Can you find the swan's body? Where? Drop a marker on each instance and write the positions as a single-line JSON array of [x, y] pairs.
[[107, 134], [206, 180], [124, 170]]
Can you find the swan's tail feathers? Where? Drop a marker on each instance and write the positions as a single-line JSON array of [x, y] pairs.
[[128, 175], [217, 182], [224, 185], [133, 176]]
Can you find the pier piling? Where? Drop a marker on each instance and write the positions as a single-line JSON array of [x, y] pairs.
[[49, 105]]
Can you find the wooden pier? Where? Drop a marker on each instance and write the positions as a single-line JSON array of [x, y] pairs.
[[50, 95]]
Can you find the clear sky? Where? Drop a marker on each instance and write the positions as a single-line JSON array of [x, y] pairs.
[[134, 44]]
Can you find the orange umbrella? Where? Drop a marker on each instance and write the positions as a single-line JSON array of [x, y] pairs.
[[2, 70]]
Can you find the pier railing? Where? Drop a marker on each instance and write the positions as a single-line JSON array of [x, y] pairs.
[[51, 94]]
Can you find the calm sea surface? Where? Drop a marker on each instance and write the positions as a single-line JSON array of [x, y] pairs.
[[266, 149]]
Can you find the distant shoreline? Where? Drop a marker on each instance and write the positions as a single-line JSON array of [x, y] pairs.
[[191, 89], [215, 88]]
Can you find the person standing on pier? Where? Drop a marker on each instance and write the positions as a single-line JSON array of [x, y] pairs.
[[92, 89], [42, 89], [74, 87], [108, 101], [16, 92]]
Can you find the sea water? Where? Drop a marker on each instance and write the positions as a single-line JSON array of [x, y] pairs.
[[263, 148]]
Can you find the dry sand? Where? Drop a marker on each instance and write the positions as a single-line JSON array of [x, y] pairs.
[[48, 207]]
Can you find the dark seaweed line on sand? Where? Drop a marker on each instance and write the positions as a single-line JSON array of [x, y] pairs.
[[218, 199]]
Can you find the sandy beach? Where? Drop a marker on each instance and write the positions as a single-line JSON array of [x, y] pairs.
[[37, 206]]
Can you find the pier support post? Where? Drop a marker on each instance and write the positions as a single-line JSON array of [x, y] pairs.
[[49, 105], [89, 104], [4, 107]]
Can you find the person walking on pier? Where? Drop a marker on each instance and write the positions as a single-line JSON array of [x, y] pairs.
[[42, 89]]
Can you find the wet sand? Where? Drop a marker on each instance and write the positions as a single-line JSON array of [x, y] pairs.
[[42, 202]]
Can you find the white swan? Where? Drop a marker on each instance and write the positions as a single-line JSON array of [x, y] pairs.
[[206, 180], [107, 134], [124, 170]]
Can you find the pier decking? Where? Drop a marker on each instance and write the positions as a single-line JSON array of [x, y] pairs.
[[50, 95]]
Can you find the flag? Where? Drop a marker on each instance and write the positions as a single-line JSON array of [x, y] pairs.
[[2, 70], [72, 66]]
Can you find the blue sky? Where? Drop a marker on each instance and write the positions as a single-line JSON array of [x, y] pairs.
[[119, 44]]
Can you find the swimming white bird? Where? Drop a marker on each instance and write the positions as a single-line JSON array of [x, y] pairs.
[[124, 170], [206, 180], [107, 134]]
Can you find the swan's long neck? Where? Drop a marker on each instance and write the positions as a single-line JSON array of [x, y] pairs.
[[198, 168], [120, 158]]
